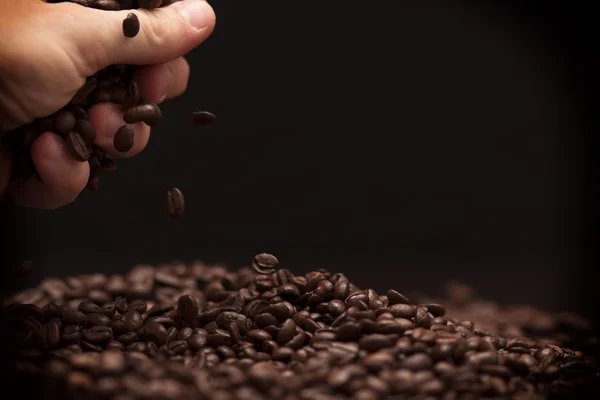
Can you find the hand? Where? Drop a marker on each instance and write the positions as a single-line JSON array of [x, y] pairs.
[[46, 53]]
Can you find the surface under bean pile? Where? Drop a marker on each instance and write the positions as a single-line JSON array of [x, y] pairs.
[[195, 331]]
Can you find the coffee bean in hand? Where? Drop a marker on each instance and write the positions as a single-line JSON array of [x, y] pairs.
[[123, 140], [131, 25]]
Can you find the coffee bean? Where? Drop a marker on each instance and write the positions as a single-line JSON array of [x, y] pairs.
[[417, 362], [64, 122], [123, 140], [148, 112], [131, 25], [86, 130], [287, 331], [97, 319], [187, 308], [198, 331], [203, 118], [175, 203], [264, 263], [108, 5], [133, 319], [77, 146], [98, 334], [72, 317]]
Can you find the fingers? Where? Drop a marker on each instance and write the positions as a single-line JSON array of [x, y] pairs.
[[156, 83], [163, 81], [165, 33], [107, 118], [63, 177]]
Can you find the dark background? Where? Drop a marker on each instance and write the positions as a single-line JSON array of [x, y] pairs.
[[403, 144]]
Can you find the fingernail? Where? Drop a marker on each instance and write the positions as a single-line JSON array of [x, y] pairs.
[[198, 13]]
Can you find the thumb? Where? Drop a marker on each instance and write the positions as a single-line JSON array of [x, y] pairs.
[[165, 33]]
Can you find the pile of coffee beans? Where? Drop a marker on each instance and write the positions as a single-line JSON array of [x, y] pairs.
[[196, 331], [114, 84]]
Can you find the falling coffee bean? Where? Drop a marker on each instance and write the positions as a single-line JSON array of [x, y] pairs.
[[203, 118], [175, 203]]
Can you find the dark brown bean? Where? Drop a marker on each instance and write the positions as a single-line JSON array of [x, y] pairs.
[[131, 25], [175, 203], [148, 112], [203, 118], [123, 140], [77, 146]]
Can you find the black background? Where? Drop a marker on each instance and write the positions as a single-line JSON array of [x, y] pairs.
[[403, 144]]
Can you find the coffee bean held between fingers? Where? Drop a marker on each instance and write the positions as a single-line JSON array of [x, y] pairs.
[[77, 146], [148, 113], [175, 203], [131, 25], [202, 118], [123, 140]]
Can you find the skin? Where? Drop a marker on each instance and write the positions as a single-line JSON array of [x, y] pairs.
[[47, 51]]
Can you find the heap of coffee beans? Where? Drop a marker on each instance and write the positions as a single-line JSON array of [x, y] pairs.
[[180, 331], [113, 84]]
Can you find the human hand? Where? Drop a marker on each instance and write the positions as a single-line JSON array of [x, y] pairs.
[[46, 53]]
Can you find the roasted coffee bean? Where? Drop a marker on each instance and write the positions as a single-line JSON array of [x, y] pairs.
[[201, 331], [72, 317], [123, 139], [77, 146], [175, 203], [50, 333], [97, 319], [64, 122], [131, 25], [86, 130], [264, 263], [187, 308], [98, 334], [203, 118], [149, 113]]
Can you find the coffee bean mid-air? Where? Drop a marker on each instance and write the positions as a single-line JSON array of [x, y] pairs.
[[131, 25], [264, 263], [175, 203], [202, 118]]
